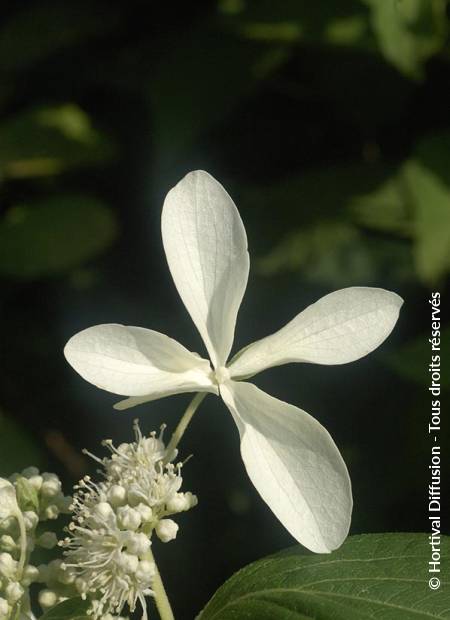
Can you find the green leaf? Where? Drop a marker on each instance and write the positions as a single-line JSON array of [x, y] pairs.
[[409, 31], [72, 609], [428, 180], [385, 209], [299, 21], [27, 496], [411, 361], [54, 236], [47, 140], [370, 576]]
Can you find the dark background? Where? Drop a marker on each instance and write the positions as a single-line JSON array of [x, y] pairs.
[[329, 125]]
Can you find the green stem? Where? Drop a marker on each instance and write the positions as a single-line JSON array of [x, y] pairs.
[[183, 424], [161, 600], [23, 543]]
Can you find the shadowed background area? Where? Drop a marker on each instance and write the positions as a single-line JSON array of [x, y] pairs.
[[328, 124]]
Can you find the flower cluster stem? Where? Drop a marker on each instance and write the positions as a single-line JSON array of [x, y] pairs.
[[161, 600], [183, 424]]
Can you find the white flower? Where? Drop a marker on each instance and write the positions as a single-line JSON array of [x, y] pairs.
[[108, 547], [105, 556], [290, 458]]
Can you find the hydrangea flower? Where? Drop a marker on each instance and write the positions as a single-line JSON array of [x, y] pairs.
[[290, 458], [26, 501], [107, 551]]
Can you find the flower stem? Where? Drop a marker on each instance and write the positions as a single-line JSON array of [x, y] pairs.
[[183, 424], [161, 600], [23, 543]]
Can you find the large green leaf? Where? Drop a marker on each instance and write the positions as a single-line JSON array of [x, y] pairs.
[[54, 236], [48, 139], [72, 609], [370, 576]]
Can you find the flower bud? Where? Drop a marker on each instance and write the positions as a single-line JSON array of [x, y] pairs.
[[128, 518], [28, 472], [36, 482], [7, 543], [51, 487], [138, 544], [47, 598], [8, 500], [145, 572], [30, 575], [51, 512], [166, 530], [14, 592], [128, 562], [4, 609], [103, 510], [8, 566], [145, 511], [117, 495], [31, 520], [47, 540]]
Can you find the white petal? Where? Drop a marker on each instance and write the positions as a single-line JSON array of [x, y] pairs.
[[206, 248], [132, 361], [294, 464], [339, 328]]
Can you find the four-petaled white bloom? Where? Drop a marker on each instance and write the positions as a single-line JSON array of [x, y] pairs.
[[290, 458], [107, 551]]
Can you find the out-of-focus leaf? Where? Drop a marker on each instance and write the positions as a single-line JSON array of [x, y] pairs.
[[330, 249], [72, 609], [47, 140], [415, 203], [409, 31], [411, 361], [327, 252], [336, 253], [37, 31], [299, 21], [431, 201], [370, 576], [386, 209], [427, 176], [54, 236], [200, 80], [17, 449]]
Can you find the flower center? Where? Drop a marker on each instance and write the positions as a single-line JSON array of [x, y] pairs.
[[221, 374]]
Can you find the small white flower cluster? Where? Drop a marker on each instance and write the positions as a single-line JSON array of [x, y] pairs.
[[26, 500], [109, 540]]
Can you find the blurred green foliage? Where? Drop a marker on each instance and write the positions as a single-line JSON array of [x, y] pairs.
[[327, 122]]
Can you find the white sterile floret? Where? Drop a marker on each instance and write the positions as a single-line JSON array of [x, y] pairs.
[[4, 608], [290, 458], [108, 546]]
